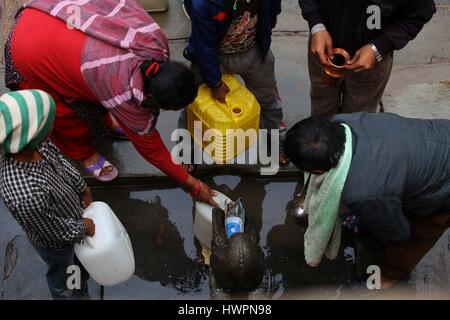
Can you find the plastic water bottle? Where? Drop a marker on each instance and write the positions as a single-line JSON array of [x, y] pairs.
[[233, 225], [234, 217], [203, 219]]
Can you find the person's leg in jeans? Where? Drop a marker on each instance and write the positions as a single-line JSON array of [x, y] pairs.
[[364, 90], [325, 99], [400, 259], [83, 292], [58, 260], [259, 78]]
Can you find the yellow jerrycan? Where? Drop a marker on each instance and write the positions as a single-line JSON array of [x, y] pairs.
[[241, 111]]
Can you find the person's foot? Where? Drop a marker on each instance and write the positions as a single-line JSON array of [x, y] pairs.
[[99, 168]]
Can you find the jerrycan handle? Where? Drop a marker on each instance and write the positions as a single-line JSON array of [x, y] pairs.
[[233, 110], [89, 241]]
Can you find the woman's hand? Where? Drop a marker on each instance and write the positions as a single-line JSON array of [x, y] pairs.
[[86, 197], [206, 195], [200, 191]]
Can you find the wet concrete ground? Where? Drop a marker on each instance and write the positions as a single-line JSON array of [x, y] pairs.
[[167, 259], [415, 89], [168, 264]]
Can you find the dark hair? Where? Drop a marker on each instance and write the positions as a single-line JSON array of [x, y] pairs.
[[172, 84], [315, 144]]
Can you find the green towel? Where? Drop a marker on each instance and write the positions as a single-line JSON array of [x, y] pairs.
[[323, 198]]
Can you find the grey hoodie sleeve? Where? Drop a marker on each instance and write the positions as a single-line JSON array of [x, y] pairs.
[[383, 218]]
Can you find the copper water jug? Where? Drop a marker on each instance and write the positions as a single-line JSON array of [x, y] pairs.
[[332, 74]]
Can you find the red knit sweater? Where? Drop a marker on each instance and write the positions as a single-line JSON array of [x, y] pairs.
[[49, 59]]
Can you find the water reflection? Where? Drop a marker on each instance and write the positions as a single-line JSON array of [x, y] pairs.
[[251, 192], [158, 246], [159, 223], [285, 254]]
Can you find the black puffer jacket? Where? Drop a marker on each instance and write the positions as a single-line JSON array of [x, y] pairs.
[[400, 168], [346, 20]]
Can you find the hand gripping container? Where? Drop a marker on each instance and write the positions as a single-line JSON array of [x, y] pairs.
[[203, 219], [107, 256], [241, 111]]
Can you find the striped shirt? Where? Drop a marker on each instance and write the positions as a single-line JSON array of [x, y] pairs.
[[45, 197]]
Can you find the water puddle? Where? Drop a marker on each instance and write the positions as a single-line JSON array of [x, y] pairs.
[[168, 263], [168, 258]]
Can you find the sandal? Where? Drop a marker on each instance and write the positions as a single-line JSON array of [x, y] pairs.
[[96, 169]]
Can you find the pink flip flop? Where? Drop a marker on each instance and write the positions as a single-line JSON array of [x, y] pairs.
[[96, 169]]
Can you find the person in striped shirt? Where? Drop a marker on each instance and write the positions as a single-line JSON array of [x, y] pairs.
[[44, 193]]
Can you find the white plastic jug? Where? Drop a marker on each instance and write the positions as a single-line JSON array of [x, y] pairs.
[[203, 219], [108, 255]]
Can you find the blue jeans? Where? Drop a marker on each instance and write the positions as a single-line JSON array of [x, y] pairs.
[[58, 260]]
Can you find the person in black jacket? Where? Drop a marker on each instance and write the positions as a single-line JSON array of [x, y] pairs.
[[369, 30], [398, 184]]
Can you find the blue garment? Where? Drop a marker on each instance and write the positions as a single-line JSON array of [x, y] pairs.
[[58, 260], [210, 22]]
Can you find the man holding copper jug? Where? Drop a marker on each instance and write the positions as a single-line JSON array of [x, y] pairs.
[[350, 55]]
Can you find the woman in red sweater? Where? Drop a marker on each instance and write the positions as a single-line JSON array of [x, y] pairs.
[[43, 53]]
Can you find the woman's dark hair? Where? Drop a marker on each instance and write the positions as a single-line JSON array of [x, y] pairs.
[[172, 84], [315, 144]]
